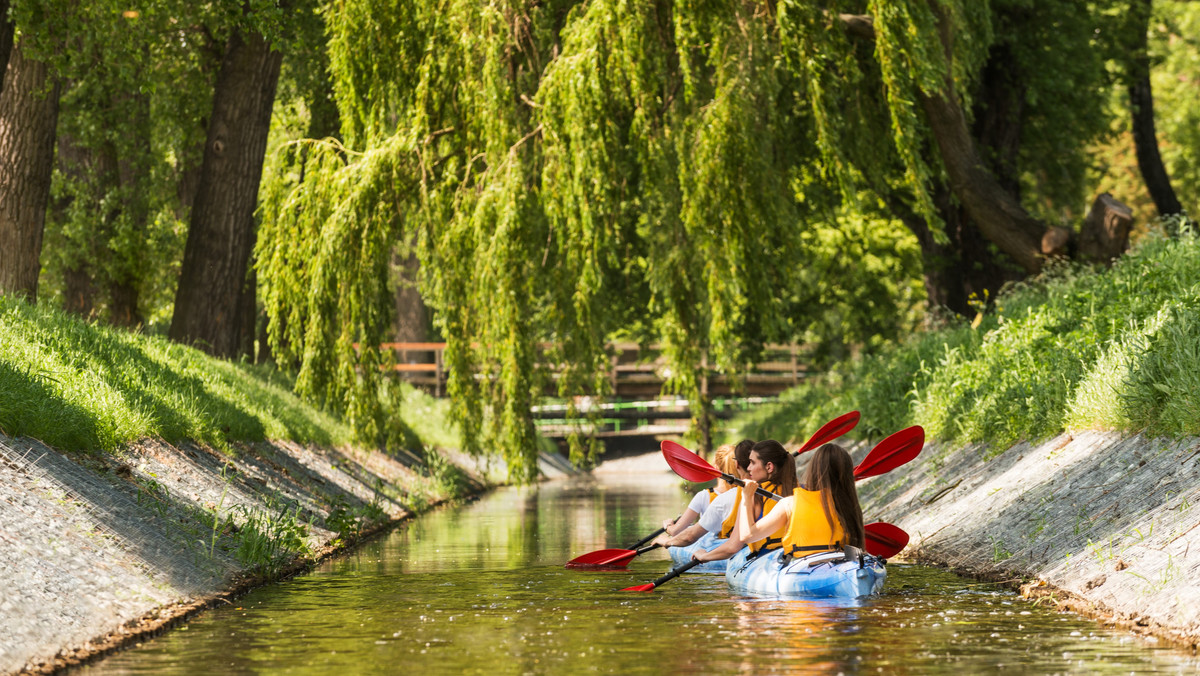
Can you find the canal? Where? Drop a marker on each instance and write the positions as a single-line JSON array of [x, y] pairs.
[[480, 588]]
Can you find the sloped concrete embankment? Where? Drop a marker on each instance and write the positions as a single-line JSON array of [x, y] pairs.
[[98, 551], [1100, 524]]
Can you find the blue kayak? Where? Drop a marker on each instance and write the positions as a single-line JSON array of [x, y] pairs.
[[708, 542], [824, 575]]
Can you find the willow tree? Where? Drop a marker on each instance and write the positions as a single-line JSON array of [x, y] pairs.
[[576, 170]]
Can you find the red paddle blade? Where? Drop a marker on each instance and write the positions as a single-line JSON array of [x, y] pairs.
[[830, 431], [884, 539], [892, 452], [687, 464], [641, 588], [603, 557]]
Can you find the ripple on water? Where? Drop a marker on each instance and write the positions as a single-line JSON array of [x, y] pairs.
[[482, 590]]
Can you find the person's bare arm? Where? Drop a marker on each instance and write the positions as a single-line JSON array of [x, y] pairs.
[[687, 537], [724, 551], [749, 530], [688, 518]]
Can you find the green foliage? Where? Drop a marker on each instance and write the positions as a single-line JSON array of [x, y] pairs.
[[1175, 55], [266, 541], [350, 522], [568, 172], [82, 386], [1071, 349]]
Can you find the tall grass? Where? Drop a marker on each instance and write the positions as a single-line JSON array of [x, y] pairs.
[[1075, 348], [84, 386]]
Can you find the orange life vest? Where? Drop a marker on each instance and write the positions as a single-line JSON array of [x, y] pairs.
[[809, 530]]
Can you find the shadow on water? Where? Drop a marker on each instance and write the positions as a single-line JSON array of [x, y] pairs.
[[481, 589]]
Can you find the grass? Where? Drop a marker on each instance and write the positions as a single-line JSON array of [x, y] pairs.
[[1075, 348], [83, 386]]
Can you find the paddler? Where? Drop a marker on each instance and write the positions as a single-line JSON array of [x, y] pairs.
[[821, 515], [723, 507]]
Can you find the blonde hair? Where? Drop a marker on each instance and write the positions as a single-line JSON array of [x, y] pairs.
[[725, 459]]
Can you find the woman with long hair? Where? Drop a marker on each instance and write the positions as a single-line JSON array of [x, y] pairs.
[[772, 467], [821, 515]]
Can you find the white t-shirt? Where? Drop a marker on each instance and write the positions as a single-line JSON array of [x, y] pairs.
[[699, 503], [719, 510]]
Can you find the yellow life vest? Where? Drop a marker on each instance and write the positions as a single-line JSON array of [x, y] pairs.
[[772, 541], [809, 530], [712, 495]]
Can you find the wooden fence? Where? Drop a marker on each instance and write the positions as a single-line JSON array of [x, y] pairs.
[[634, 372]]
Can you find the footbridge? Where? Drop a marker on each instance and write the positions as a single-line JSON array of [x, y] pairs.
[[636, 375]]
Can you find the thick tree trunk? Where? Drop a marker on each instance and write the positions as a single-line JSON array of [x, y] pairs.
[[220, 240], [28, 117], [6, 39], [1105, 232], [996, 211], [1141, 108], [998, 214], [963, 269]]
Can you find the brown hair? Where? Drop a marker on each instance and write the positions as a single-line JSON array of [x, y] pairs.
[[784, 475], [832, 473], [742, 452]]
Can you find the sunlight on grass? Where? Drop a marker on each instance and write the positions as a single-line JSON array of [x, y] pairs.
[[1073, 349]]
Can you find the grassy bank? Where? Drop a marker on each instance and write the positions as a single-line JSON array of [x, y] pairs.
[[84, 386], [1074, 348]]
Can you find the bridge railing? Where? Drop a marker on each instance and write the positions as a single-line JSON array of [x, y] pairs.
[[633, 371]]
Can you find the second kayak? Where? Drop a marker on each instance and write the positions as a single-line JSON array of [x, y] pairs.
[[708, 542]]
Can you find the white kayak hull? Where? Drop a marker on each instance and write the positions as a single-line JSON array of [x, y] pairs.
[[681, 555], [822, 575]]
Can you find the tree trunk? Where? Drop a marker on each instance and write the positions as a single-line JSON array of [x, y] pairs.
[[1141, 109], [995, 211], [998, 214], [220, 240], [961, 270], [411, 314], [28, 117], [6, 39], [1105, 232]]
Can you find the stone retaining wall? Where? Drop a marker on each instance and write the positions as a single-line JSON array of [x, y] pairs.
[[1101, 524], [97, 551]]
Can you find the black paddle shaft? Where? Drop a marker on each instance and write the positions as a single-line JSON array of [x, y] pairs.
[[650, 537], [760, 491], [677, 571]]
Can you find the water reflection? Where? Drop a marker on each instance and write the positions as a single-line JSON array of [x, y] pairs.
[[481, 589]]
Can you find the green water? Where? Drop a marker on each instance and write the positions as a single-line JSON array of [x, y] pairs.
[[481, 589]]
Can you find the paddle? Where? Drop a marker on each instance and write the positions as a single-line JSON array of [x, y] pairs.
[[651, 536], [830, 431], [893, 451], [608, 557], [616, 557], [675, 572], [884, 539], [693, 468]]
